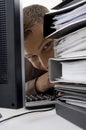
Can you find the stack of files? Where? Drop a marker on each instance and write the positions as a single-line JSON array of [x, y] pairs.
[[71, 103], [69, 75], [67, 25], [61, 21]]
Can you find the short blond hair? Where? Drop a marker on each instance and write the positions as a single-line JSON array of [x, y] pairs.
[[33, 14]]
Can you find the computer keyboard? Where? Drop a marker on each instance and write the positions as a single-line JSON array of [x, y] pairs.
[[40, 101]]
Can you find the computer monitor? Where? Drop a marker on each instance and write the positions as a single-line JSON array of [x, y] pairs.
[[11, 54]]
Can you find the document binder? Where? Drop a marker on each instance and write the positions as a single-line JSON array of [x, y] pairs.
[[72, 88], [67, 3], [76, 100], [50, 32], [71, 45], [66, 73], [74, 114]]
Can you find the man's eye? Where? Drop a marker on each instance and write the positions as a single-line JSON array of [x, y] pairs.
[[47, 46]]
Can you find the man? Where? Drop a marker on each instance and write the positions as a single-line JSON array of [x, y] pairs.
[[37, 50]]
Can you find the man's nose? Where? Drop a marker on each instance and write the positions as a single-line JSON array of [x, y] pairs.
[[43, 61]]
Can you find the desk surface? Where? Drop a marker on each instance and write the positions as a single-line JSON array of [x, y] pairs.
[[48, 120]]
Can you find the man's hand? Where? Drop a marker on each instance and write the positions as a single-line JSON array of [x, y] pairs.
[[43, 84]]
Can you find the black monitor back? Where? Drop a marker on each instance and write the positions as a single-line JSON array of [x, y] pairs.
[[11, 54]]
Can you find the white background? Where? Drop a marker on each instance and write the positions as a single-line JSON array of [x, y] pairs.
[[48, 3]]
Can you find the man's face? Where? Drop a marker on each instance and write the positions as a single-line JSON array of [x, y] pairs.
[[37, 49]]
